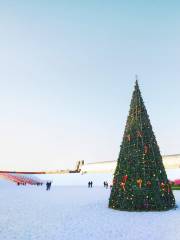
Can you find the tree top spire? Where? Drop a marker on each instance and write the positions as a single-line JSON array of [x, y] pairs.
[[136, 82]]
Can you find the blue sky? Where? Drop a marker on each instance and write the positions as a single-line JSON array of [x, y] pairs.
[[67, 71]]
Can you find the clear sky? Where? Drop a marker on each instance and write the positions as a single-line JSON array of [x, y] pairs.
[[67, 74]]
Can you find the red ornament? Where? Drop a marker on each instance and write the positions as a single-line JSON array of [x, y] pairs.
[[146, 149], [139, 183], [122, 184], [168, 188], [148, 183], [114, 181], [163, 186], [129, 137], [124, 179], [139, 134]]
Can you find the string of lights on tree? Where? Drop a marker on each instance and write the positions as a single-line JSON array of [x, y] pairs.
[[140, 182]]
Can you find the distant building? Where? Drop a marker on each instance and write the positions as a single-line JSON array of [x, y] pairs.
[[170, 162]]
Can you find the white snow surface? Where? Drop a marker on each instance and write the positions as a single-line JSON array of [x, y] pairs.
[[78, 213]]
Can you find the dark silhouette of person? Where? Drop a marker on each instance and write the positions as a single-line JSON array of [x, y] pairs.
[[106, 184], [90, 184], [48, 186]]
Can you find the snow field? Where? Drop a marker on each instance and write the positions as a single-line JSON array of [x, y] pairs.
[[78, 213]]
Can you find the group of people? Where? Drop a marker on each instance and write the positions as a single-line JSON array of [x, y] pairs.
[[90, 184], [106, 185], [24, 183]]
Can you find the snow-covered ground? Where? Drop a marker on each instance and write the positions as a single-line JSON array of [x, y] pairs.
[[78, 213]]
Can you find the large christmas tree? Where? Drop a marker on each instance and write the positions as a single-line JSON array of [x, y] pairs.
[[140, 182]]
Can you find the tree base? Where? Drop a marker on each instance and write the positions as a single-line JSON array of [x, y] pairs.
[[143, 209]]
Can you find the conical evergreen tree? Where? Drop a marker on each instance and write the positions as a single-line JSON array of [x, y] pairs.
[[140, 182]]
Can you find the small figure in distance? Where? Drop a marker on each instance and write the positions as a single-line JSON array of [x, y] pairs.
[[106, 184], [48, 186]]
